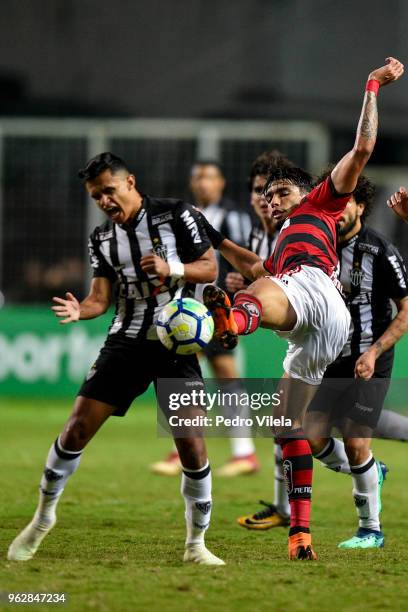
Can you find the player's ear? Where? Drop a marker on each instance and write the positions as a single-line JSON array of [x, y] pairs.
[[131, 181], [360, 208]]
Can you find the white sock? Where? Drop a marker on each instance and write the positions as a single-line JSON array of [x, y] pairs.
[[196, 490], [334, 456], [60, 465], [281, 500], [242, 447], [365, 492]]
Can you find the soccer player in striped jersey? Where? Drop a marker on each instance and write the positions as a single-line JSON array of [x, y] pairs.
[[152, 250], [372, 274], [299, 299]]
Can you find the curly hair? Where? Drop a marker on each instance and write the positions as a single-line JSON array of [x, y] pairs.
[[264, 162], [363, 193]]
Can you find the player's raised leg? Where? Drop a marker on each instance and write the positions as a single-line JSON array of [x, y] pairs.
[[196, 489], [62, 461]]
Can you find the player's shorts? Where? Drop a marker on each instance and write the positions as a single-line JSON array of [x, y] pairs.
[[322, 325], [125, 368], [342, 396]]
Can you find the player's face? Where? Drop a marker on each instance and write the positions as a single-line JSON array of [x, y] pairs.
[[207, 184], [258, 201], [114, 194], [283, 197], [350, 218]]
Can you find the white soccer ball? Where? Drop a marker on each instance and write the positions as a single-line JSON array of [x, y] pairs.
[[185, 326]]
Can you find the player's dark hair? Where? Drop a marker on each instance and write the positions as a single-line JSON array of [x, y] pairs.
[[208, 162], [263, 163], [100, 163], [363, 193], [292, 174]]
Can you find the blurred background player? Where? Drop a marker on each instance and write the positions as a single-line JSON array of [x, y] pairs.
[[153, 249], [373, 274], [207, 185]]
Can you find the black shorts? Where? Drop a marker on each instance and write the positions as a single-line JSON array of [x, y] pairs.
[[125, 368], [215, 348], [342, 396]]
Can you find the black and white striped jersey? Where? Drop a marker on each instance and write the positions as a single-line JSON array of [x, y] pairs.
[[168, 227], [372, 273], [261, 242]]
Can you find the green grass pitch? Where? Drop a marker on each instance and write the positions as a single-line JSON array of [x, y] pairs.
[[119, 539]]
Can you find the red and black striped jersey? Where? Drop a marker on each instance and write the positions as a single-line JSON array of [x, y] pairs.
[[308, 236]]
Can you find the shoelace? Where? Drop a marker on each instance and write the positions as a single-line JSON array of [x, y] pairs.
[[270, 510]]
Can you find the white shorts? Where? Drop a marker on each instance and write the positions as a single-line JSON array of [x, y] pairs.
[[322, 325]]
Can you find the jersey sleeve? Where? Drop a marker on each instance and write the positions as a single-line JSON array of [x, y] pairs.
[[99, 265], [237, 226], [192, 240], [214, 235], [394, 273], [325, 197]]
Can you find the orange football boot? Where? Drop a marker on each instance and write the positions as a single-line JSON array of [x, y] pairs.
[[300, 547], [218, 303]]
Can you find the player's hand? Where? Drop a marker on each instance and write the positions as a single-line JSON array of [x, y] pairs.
[[234, 281], [153, 264], [392, 71], [398, 202], [68, 308], [365, 365]]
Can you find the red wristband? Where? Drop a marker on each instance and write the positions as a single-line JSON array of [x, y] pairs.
[[373, 85]]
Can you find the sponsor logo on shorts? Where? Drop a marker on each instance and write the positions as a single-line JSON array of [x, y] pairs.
[[203, 507], [287, 475], [363, 408]]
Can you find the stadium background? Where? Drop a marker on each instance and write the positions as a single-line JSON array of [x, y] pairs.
[[162, 84]]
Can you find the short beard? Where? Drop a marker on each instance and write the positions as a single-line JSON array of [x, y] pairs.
[[347, 228]]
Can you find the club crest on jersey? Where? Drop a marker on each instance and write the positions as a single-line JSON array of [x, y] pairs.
[[161, 251], [356, 276]]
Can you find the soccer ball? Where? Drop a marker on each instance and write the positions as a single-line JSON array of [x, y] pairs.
[[185, 326]]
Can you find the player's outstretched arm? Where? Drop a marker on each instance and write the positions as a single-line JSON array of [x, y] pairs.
[[94, 305], [241, 259], [398, 202], [398, 327], [346, 172]]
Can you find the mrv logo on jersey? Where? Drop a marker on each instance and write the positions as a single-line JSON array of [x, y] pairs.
[[192, 226]]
